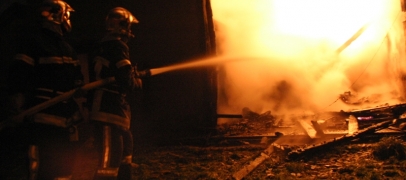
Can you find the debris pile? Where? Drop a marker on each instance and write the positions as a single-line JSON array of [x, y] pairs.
[[254, 123], [251, 123], [354, 99]]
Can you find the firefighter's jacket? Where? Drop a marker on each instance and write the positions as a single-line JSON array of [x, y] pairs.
[[46, 66], [110, 58]]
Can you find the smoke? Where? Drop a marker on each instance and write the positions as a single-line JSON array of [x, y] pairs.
[[315, 50]]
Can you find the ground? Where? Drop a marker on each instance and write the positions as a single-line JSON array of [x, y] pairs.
[[371, 156], [383, 159], [355, 160]]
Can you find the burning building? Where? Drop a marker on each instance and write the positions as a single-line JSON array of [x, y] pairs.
[[312, 52]]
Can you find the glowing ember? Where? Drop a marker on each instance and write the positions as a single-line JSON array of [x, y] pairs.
[[317, 50]]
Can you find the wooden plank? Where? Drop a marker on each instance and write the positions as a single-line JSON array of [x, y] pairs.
[[352, 125], [309, 129], [250, 167], [311, 150], [317, 127]]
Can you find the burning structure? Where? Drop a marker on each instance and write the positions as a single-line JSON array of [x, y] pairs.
[[313, 51], [317, 56]]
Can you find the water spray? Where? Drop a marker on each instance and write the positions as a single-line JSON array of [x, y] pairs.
[[210, 61]]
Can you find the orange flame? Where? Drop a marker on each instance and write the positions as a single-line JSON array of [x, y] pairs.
[[319, 50]]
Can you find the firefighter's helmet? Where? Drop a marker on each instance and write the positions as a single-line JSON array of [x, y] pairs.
[[58, 12], [119, 21]]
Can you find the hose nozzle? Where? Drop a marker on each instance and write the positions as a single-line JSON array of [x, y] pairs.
[[144, 73]]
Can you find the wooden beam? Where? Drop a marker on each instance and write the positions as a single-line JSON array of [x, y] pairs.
[[250, 167]]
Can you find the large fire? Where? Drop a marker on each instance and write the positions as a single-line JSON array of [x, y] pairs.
[[314, 51]]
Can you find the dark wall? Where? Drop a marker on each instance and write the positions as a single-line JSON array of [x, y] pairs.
[[173, 104]]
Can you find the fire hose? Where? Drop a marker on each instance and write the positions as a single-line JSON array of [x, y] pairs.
[[20, 117]]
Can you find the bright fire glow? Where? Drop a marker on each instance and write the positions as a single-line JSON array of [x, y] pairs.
[[316, 50]]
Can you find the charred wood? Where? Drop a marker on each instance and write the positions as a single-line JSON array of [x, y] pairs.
[[300, 152]]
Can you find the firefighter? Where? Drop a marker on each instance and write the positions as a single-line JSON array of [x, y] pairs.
[[46, 66], [109, 111]]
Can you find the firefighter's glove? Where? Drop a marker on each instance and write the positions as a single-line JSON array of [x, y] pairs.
[[135, 72], [141, 74], [136, 79], [144, 74], [137, 83]]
